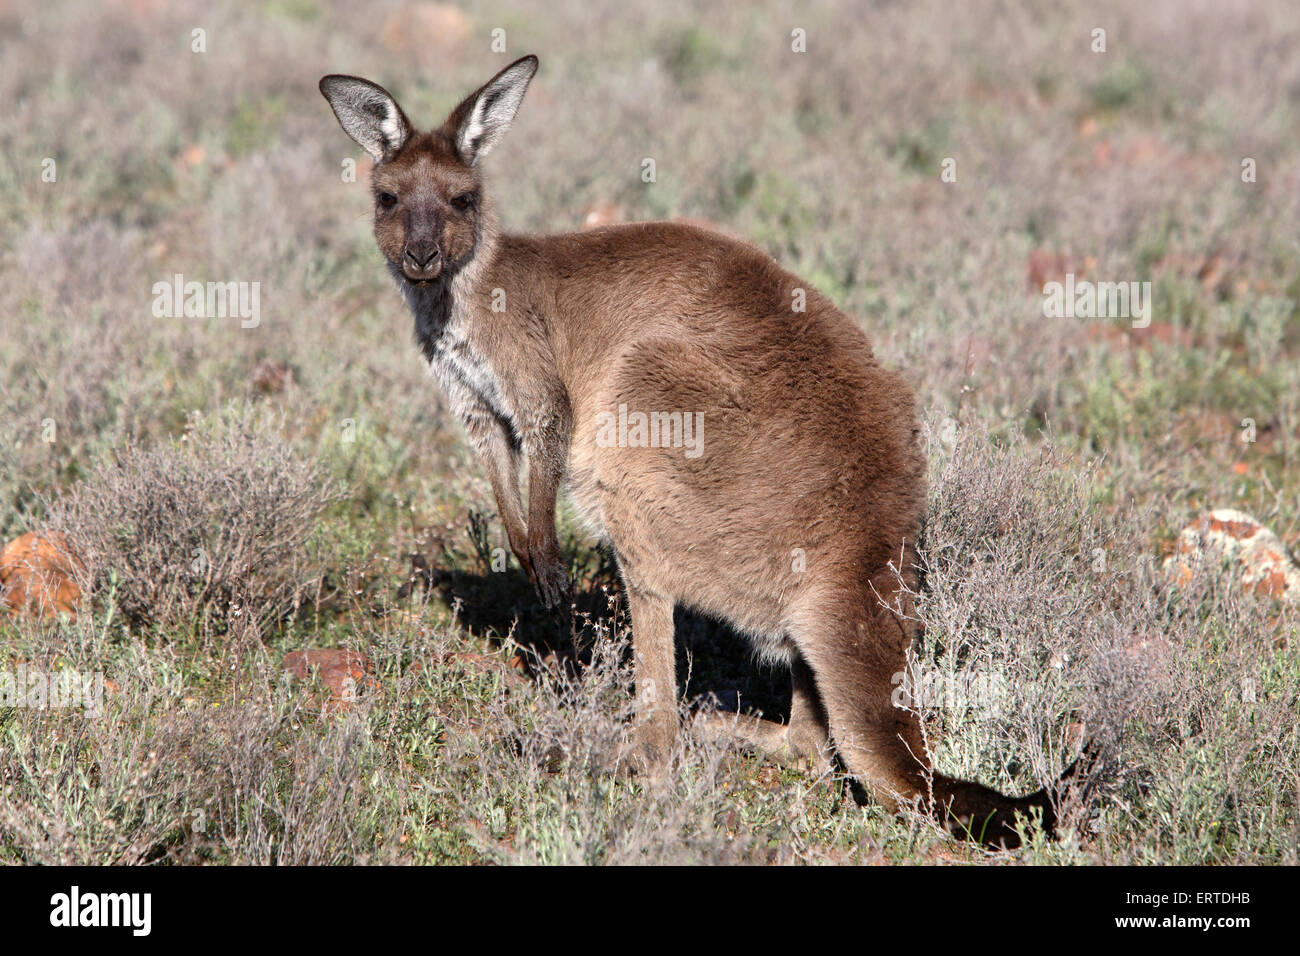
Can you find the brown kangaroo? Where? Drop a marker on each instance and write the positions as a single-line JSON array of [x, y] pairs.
[[721, 424]]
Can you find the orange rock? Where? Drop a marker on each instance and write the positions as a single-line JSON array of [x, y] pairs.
[[1044, 266], [1226, 536], [343, 672], [37, 573], [272, 377], [601, 214]]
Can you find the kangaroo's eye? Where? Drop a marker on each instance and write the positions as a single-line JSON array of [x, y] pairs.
[[463, 201], [387, 200]]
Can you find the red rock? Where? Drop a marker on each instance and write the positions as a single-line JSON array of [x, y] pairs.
[[272, 377], [1227, 536], [37, 575], [1044, 266], [344, 672], [601, 214]]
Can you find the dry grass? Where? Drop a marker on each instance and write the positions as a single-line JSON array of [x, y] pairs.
[[201, 537], [1051, 440]]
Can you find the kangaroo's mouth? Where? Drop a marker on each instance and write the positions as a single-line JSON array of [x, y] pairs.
[[423, 274]]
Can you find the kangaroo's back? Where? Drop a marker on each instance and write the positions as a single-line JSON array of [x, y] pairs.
[[804, 444]]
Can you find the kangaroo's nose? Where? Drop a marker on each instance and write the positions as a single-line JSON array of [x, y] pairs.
[[422, 254]]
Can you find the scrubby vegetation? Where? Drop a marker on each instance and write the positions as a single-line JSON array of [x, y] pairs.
[[242, 492]]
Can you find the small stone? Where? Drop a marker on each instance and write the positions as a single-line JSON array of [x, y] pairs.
[[38, 575], [1227, 536], [272, 377], [342, 671], [601, 214]]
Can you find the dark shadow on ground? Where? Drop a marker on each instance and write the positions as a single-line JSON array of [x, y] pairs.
[[713, 660]]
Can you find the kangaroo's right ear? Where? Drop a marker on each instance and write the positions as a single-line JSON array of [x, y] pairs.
[[368, 114]]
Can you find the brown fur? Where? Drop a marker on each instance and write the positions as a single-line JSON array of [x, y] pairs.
[[809, 446]]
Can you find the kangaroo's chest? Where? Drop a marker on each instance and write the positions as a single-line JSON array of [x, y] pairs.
[[467, 376], [464, 370]]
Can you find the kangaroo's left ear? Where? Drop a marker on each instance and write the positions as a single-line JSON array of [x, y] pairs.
[[483, 118]]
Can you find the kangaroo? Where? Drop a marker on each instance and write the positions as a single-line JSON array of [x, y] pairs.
[[719, 423]]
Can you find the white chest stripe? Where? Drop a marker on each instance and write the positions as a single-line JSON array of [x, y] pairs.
[[464, 377]]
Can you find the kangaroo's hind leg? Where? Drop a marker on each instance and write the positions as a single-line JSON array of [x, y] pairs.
[[655, 675], [855, 647]]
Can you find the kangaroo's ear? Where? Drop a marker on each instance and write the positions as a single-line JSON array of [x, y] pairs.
[[478, 123], [368, 114]]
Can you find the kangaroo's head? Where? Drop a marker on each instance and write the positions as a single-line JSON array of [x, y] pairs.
[[430, 212]]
